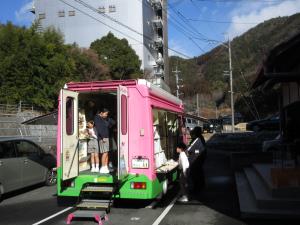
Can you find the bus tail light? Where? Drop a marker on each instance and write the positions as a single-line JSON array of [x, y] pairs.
[[68, 183], [138, 185]]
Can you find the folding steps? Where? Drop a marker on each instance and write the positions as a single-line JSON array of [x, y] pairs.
[[94, 202]]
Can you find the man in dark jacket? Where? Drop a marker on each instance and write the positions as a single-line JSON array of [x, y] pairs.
[[197, 155], [103, 125]]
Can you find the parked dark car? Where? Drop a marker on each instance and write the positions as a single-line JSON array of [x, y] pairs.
[[213, 125], [269, 123], [208, 127], [23, 163]]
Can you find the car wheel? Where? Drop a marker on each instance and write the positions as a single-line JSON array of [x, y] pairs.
[[165, 187], [51, 177]]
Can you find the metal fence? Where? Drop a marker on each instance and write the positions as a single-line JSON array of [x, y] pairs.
[[14, 109]]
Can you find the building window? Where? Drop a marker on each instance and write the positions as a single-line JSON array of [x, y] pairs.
[[61, 13], [112, 8], [71, 13], [42, 16], [101, 9]]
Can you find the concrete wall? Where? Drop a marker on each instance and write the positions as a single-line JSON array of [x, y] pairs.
[[43, 135]]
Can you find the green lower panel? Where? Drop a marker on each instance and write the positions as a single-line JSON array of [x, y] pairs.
[[153, 188], [80, 181]]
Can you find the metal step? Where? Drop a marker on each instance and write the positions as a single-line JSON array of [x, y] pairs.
[[94, 204], [88, 213], [98, 216], [98, 189]]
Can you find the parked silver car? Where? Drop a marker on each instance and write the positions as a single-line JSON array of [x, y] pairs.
[[24, 163]]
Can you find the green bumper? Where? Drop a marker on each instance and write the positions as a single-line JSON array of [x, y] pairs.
[[153, 187]]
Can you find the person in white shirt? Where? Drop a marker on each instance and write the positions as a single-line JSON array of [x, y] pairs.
[[93, 146], [183, 166]]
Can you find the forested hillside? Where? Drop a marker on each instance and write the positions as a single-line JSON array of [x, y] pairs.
[[205, 74], [34, 66]]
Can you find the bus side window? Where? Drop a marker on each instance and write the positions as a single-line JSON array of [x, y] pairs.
[[124, 114], [70, 116]]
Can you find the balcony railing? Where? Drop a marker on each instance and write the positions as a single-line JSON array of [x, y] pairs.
[[158, 42], [157, 4], [159, 60], [157, 22], [158, 71]]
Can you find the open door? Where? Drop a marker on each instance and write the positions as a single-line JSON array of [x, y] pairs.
[[122, 132], [69, 134]]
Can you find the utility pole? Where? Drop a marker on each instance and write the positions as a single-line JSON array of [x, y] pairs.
[[198, 110], [177, 81], [231, 87]]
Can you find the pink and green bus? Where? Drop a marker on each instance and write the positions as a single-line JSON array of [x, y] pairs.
[[148, 128]]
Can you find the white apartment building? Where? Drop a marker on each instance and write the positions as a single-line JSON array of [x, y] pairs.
[[142, 22]]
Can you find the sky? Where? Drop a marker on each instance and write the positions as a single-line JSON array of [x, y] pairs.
[[195, 26]]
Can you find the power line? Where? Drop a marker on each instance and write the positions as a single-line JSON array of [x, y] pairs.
[[118, 22], [181, 17], [191, 39], [74, 7], [247, 86], [126, 35], [237, 1], [110, 18], [177, 23], [210, 27], [203, 37], [187, 30], [180, 28], [195, 5], [218, 21]]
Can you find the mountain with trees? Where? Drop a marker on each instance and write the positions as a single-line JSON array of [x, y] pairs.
[[35, 65], [205, 74]]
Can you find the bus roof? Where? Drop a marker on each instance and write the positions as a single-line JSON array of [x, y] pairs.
[[96, 85], [113, 84]]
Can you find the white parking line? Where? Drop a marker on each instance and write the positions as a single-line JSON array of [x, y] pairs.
[[54, 215], [165, 212]]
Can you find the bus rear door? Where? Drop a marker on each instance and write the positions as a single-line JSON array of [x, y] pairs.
[[69, 134], [122, 132]]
